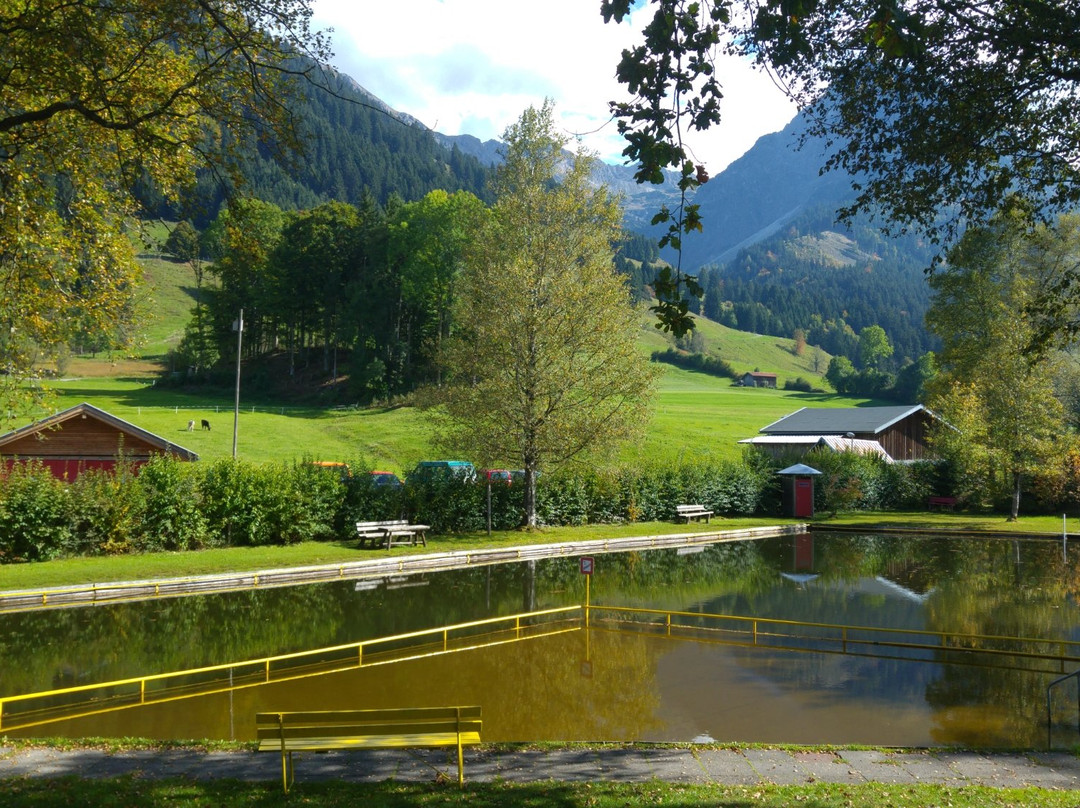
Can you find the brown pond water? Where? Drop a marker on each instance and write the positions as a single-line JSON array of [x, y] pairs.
[[603, 684]]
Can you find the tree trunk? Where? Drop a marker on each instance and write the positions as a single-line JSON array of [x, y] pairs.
[[530, 496], [1014, 511]]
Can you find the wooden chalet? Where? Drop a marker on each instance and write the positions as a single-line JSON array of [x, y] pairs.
[[84, 437], [900, 431], [756, 378]]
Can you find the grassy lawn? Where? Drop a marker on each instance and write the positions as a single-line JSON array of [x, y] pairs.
[[959, 522], [76, 571], [68, 792]]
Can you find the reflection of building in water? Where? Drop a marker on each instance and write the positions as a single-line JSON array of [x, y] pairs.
[[910, 579]]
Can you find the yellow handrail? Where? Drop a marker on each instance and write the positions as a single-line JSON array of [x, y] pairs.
[[1068, 650], [356, 658]]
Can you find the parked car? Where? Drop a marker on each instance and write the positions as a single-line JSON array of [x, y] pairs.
[[430, 470], [385, 479], [497, 476], [518, 475], [341, 468]]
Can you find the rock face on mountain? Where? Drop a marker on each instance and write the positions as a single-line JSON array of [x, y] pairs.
[[770, 185], [773, 183], [488, 152]]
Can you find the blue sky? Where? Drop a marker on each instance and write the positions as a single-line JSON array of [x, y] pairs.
[[472, 66]]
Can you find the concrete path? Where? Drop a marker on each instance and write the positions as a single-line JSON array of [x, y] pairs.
[[630, 763]]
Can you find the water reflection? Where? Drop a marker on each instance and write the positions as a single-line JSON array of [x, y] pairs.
[[603, 685]]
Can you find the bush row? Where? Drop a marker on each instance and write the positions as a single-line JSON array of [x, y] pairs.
[[171, 505], [712, 365]]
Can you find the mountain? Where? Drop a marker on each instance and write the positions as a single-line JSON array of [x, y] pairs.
[[357, 148], [771, 252], [640, 201], [772, 183]]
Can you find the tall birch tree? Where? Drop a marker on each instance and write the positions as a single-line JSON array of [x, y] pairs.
[[542, 368]]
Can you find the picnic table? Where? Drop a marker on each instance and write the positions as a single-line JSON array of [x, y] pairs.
[[689, 512], [392, 532]]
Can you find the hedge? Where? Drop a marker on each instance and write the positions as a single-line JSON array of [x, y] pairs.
[[172, 505]]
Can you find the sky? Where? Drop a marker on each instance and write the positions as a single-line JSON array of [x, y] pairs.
[[473, 66]]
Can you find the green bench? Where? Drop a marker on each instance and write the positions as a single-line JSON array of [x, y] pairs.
[[398, 728]]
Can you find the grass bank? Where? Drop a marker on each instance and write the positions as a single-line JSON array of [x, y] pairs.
[[76, 571], [70, 792]]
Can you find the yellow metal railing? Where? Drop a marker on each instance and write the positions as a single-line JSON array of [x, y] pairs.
[[33, 709], [769, 632]]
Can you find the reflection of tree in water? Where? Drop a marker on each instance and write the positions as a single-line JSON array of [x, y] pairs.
[[1010, 589]]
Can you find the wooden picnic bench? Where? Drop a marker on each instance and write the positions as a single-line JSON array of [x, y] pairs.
[[395, 728], [689, 512], [941, 502], [391, 532]]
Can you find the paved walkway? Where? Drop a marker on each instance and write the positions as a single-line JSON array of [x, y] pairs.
[[631, 763]]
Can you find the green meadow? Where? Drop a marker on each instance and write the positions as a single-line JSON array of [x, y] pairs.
[[695, 416]]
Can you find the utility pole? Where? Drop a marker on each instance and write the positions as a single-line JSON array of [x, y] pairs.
[[238, 327]]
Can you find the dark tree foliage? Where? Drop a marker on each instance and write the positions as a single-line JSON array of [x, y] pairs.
[[353, 148]]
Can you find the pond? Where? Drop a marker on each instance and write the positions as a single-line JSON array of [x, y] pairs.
[[612, 681]]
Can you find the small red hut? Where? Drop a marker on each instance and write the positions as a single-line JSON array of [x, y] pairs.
[[84, 437]]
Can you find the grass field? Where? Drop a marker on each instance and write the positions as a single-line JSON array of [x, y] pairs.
[[695, 416]]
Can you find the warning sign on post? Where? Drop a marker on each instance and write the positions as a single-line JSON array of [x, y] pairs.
[[586, 565]]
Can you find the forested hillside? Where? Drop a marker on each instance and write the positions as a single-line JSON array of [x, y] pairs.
[[831, 282], [357, 149]]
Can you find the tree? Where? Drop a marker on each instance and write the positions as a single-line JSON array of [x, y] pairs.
[[939, 107], [249, 232], [96, 100], [987, 381], [426, 244], [841, 374], [798, 338], [542, 367], [874, 347], [183, 242], [911, 381]]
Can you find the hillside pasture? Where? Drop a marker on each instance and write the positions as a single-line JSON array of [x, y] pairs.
[[695, 417], [745, 351]]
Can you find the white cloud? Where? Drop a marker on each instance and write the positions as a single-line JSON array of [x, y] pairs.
[[472, 66]]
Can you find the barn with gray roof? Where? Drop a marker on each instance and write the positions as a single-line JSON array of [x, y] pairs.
[[900, 431]]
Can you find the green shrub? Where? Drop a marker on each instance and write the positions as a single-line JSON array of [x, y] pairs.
[[173, 516], [105, 511], [35, 513]]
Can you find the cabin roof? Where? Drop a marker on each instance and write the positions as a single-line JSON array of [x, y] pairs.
[[841, 420], [85, 410]]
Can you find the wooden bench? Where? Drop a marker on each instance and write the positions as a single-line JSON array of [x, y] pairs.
[[391, 532], [400, 728], [689, 512], [941, 502]]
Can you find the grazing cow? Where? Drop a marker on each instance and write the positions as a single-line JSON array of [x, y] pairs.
[[205, 424], [190, 426]]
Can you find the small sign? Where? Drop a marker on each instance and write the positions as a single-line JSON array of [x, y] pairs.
[[586, 565]]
